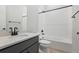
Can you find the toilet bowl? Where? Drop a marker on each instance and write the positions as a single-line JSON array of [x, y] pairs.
[[44, 42], [44, 45]]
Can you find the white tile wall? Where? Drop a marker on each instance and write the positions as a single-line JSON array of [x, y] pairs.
[[57, 23], [32, 18], [75, 39]]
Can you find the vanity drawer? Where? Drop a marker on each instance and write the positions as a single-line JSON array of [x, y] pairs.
[[17, 48]]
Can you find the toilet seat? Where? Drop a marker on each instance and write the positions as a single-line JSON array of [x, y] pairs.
[[44, 42]]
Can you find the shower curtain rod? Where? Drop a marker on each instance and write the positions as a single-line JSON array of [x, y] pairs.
[[54, 9]]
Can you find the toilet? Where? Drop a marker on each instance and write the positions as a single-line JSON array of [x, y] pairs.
[[44, 45], [44, 42]]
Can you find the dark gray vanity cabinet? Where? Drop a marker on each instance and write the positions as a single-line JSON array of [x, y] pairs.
[[28, 46], [34, 48]]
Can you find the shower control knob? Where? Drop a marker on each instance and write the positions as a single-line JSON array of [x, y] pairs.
[[77, 33]]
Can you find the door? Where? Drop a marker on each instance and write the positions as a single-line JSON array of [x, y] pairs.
[[75, 34]]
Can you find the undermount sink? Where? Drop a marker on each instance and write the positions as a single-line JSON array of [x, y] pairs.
[[18, 36], [22, 35]]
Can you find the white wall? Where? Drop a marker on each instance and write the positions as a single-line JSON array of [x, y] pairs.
[[56, 23], [32, 18], [24, 19], [2, 17], [42, 17]]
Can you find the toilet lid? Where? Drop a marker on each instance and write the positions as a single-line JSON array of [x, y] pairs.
[[44, 41]]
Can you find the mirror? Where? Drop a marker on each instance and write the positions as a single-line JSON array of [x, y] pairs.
[[13, 16]]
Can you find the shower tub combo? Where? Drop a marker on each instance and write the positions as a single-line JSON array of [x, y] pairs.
[[57, 45]]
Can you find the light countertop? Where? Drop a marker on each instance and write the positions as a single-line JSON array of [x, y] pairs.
[[11, 40]]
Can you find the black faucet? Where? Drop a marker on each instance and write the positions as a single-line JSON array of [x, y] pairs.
[[12, 33], [15, 32]]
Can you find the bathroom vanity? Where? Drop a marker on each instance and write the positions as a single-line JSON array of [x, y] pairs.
[[20, 44]]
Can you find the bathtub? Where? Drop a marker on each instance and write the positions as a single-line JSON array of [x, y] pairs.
[[60, 43]]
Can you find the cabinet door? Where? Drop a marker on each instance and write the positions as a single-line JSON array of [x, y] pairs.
[[33, 49]]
